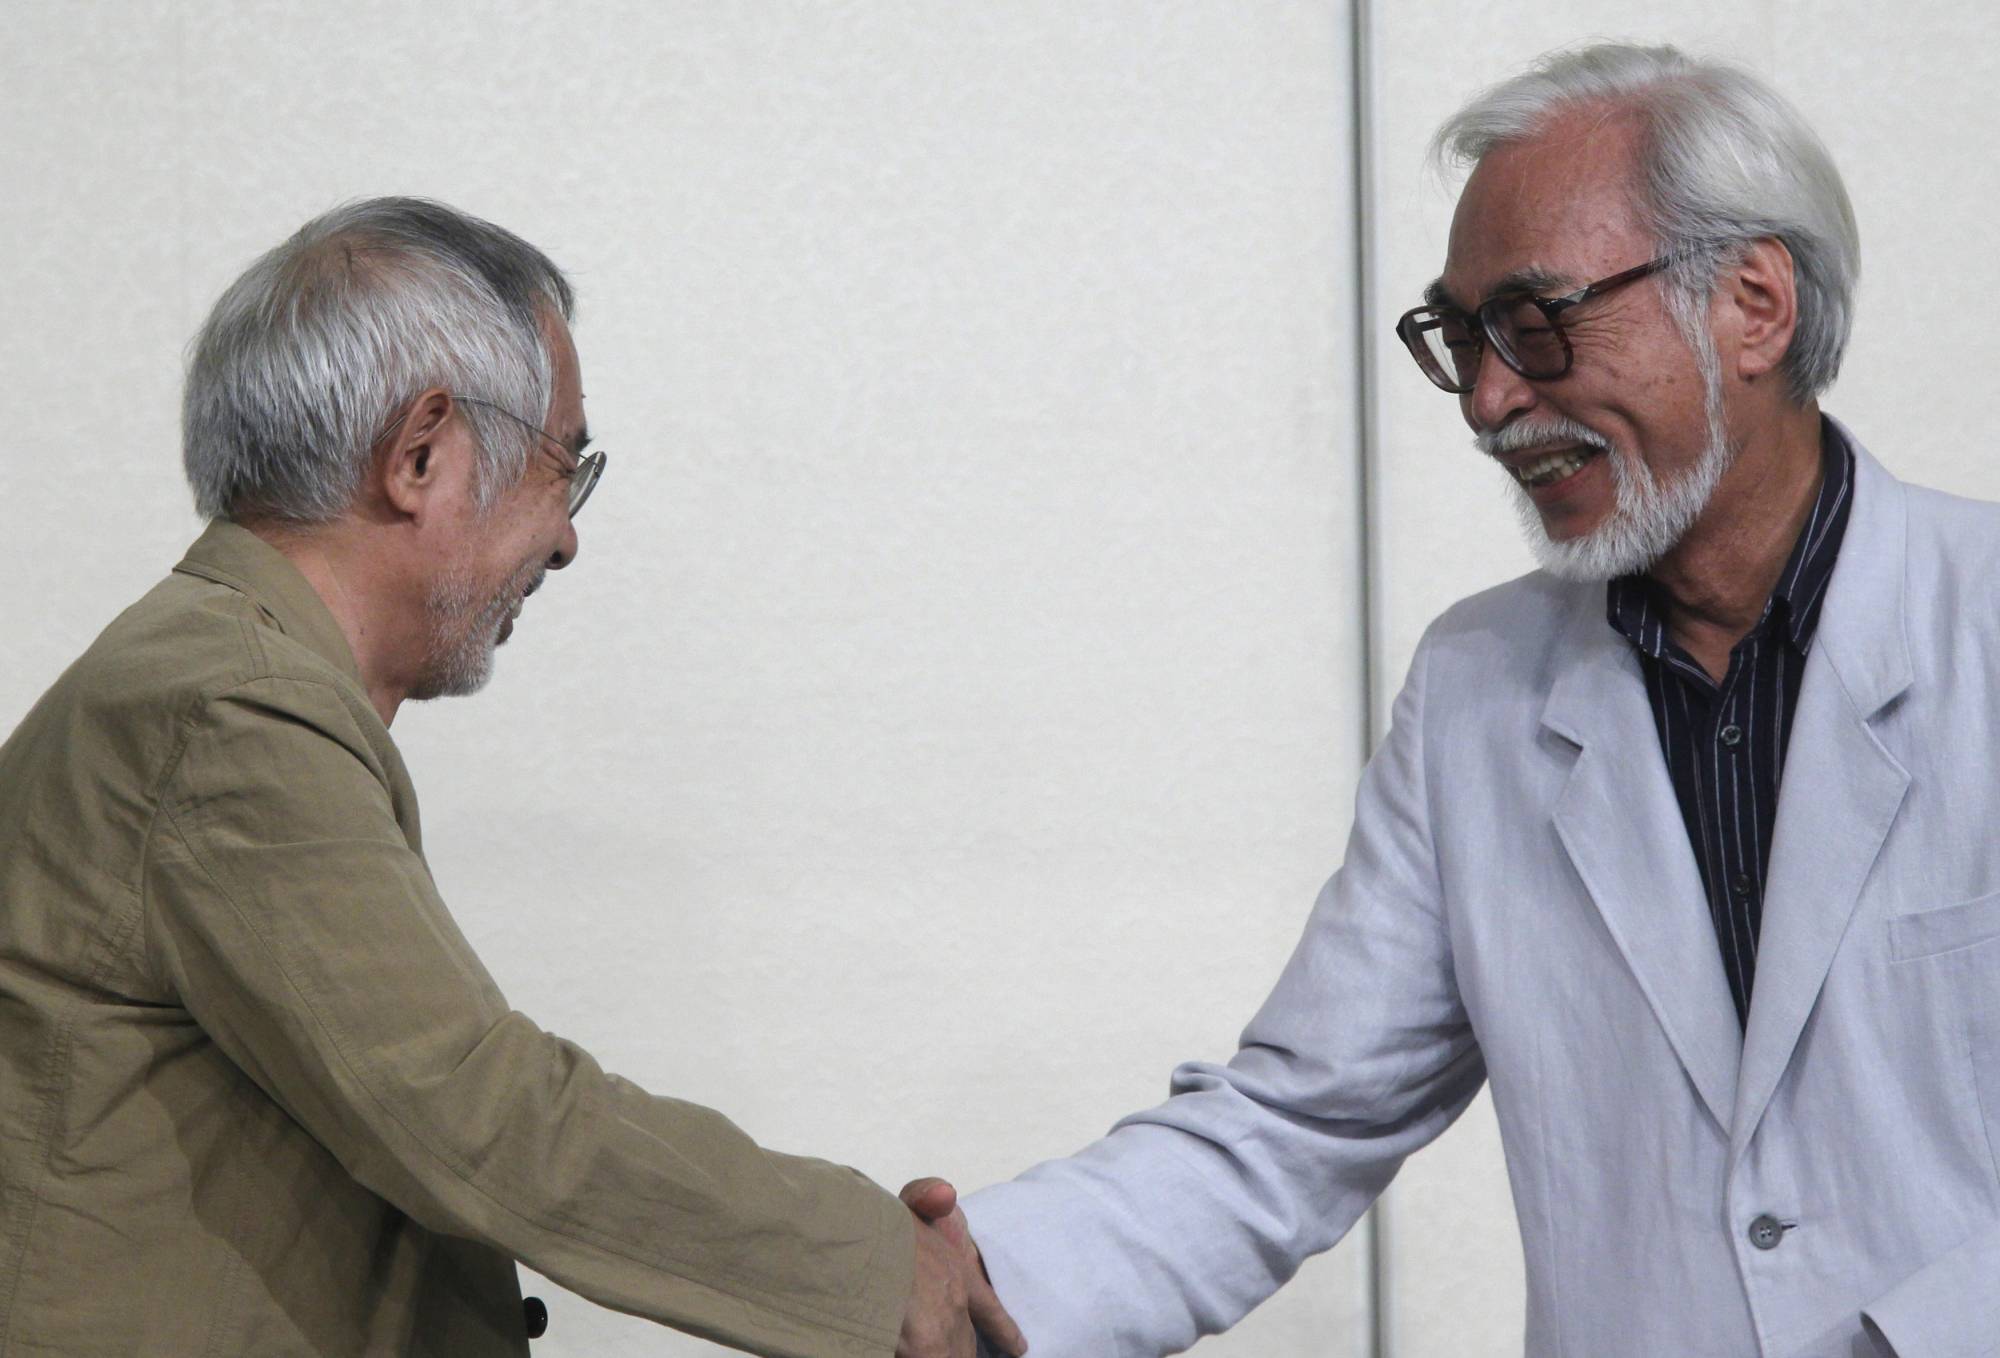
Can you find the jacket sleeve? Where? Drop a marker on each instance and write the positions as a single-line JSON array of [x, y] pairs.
[[289, 913], [1184, 1217], [1949, 1308]]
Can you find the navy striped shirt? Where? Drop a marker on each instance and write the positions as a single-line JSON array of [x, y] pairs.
[[1725, 743]]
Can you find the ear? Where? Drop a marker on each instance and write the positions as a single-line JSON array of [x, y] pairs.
[[409, 460], [1762, 294]]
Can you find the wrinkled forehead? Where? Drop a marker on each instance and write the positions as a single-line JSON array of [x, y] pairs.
[[566, 390], [1555, 208]]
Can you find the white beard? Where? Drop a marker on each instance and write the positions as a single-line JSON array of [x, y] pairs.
[[1648, 518], [465, 629]]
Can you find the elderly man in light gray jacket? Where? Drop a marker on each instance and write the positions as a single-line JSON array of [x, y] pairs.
[[1684, 842]]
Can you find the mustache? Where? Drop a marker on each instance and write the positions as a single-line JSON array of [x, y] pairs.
[[1521, 436]]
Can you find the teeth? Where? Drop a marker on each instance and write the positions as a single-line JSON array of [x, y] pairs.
[[1555, 467]]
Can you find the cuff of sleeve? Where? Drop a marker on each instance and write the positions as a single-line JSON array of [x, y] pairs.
[[1947, 1309], [1001, 1219], [892, 1269]]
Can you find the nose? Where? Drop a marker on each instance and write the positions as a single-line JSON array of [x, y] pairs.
[[566, 546], [1498, 394]]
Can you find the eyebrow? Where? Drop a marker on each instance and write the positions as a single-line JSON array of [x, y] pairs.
[[1529, 279]]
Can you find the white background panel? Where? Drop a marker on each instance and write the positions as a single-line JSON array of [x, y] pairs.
[[954, 708]]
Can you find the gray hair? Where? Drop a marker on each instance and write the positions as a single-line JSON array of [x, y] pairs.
[[1724, 161], [306, 358]]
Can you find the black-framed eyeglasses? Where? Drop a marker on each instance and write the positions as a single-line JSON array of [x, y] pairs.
[[1525, 331], [583, 476]]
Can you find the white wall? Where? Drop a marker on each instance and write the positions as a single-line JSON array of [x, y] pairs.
[[956, 703]]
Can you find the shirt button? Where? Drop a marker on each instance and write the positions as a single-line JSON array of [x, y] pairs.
[[1732, 735], [1766, 1231], [535, 1316]]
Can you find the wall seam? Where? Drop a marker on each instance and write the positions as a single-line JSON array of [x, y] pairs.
[[1362, 158]]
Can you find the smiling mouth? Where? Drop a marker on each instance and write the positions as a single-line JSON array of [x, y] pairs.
[[514, 608], [1552, 467]]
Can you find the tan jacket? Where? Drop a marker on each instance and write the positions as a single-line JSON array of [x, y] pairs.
[[258, 1096]]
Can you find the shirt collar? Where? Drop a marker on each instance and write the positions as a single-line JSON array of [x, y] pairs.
[[1633, 609], [1802, 584], [232, 555]]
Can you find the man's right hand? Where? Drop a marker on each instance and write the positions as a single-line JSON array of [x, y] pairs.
[[949, 1295]]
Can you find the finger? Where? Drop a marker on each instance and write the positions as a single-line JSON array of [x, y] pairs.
[[930, 1198], [983, 1303]]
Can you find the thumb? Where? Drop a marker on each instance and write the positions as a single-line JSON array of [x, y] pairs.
[[932, 1199]]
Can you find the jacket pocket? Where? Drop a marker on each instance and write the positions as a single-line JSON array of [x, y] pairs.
[[1947, 928]]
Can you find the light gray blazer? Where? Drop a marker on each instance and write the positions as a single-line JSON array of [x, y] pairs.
[[1520, 904]]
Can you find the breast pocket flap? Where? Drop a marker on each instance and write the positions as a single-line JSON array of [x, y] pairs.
[[1926, 933]]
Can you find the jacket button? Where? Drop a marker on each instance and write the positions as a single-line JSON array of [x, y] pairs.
[[1732, 735], [534, 1316], [1766, 1232]]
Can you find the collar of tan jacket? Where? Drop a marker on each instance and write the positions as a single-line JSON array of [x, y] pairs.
[[232, 555]]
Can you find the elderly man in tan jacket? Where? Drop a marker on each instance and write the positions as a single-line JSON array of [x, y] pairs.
[[257, 1095]]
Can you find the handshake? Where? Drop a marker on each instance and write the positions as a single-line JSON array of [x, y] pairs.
[[952, 1306]]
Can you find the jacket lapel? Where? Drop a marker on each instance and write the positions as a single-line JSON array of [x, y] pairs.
[[1841, 788], [1619, 822]]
